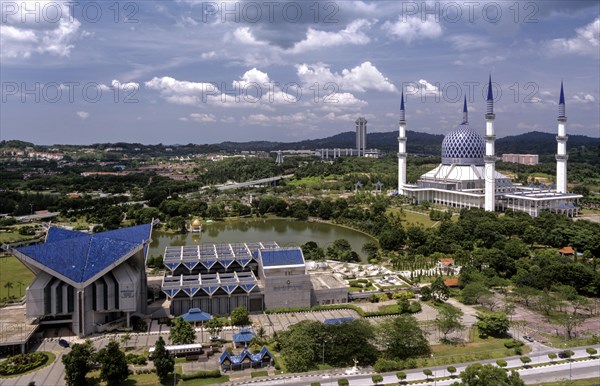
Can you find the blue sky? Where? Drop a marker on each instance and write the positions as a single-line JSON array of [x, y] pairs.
[[192, 71]]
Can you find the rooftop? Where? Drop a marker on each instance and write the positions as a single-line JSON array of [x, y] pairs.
[[79, 256], [272, 258]]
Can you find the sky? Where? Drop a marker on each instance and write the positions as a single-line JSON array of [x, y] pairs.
[[191, 71]]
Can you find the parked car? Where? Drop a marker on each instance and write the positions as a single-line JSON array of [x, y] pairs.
[[563, 355], [63, 343], [215, 338], [528, 338]]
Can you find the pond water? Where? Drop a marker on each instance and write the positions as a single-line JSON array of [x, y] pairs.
[[284, 232]]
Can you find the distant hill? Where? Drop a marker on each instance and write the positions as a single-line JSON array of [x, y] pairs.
[[534, 142]]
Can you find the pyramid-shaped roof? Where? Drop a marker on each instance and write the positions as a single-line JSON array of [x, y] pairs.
[[80, 256]]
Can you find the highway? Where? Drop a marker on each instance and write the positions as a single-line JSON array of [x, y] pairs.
[[251, 183], [549, 372]]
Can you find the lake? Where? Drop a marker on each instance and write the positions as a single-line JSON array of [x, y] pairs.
[[285, 232]]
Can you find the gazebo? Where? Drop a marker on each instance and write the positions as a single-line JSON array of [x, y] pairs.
[[244, 337], [195, 315]]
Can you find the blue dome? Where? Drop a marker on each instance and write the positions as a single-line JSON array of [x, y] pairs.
[[463, 146]]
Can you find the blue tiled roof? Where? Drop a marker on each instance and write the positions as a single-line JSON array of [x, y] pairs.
[[80, 256], [237, 359], [275, 257], [244, 336]]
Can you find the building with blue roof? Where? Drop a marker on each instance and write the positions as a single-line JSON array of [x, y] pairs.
[[89, 282], [245, 360], [218, 278]]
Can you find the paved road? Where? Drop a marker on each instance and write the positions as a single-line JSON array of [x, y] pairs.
[[551, 372]]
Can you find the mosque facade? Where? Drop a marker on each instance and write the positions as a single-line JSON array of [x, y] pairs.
[[467, 176]]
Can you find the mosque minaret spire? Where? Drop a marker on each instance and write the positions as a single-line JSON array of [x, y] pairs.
[[490, 156], [561, 151], [402, 148]]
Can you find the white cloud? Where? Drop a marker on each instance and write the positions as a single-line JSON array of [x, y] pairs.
[[586, 42], [83, 114], [491, 59], [125, 86], [228, 119], [208, 55], [469, 42], [43, 27], [244, 35], [528, 126], [360, 78], [266, 120], [253, 76], [583, 98], [182, 92], [203, 118], [353, 34], [412, 28]]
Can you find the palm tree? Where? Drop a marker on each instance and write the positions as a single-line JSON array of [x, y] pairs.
[[21, 284], [8, 285]]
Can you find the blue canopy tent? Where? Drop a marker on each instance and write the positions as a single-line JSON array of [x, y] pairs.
[[244, 337], [196, 315]]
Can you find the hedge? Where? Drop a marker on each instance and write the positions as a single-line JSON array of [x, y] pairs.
[[22, 363], [201, 374], [359, 310], [135, 359]]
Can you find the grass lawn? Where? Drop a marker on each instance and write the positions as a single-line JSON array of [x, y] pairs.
[[151, 379], [479, 349], [414, 218], [260, 373], [14, 271], [12, 237], [560, 342]]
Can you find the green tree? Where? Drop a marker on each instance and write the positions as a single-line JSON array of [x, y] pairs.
[[486, 375], [341, 250], [163, 360], [439, 290], [494, 324], [401, 337], [552, 356], [239, 317], [376, 378], [182, 332], [8, 285], [401, 376], [343, 382], [473, 292], [591, 351], [451, 370], [501, 363], [78, 362], [428, 373], [312, 251], [371, 249], [113, 364], [449, 319], [177, 224], [214, 326]]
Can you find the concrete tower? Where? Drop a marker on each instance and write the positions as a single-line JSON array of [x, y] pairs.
[[402, 148], [490, 157], [361, 135], [561, 151]]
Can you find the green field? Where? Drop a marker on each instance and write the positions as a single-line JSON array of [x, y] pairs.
[[93, 379], [414, 218], [11, 270]]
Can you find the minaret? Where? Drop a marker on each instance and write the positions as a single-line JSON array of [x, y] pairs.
[[561, 151], [490, 157], [402, 148], [465, 112]]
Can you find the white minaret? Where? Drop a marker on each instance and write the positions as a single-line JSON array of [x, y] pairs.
[[402, 148], [490, 151], [561, 151]]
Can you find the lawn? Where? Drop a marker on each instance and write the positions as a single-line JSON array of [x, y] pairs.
[[479, 349], [560, 342], [12, 237], [414, 218], [12, 270], [151, 379]]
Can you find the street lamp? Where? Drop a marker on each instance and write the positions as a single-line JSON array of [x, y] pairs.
[[323, 354]]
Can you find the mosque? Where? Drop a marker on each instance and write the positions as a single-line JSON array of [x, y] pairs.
[[467, 176]]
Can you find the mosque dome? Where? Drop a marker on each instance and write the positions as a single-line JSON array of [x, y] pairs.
[[196, 223], [463, 146]]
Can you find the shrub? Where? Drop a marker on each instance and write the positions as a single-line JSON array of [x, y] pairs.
[[377, 378], [385, 365], [513, 343], [451, 370], [414, 307], [343, 382], [591, 351], [410, 363], [315, 384], [135, 359], [21, 363], [501, 363]]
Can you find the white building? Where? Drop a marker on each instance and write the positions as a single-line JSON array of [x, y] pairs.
[[467, 177]]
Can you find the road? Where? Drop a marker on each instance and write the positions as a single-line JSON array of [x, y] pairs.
[[550, 372], [255, 182]]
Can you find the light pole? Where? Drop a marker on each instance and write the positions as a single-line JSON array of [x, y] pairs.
[[323, 353]]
